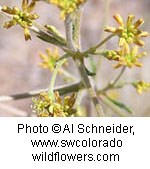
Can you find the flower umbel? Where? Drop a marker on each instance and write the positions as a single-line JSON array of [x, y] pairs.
[[66, 6], [141, 86], [23, 17], [125, 56], [44, 106], [49, 60], [128, 32]]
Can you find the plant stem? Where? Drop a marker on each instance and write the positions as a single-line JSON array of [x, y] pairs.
[[103, 41], [53, 79], [113, 107], [76, 28], [69, 22], [62, 90], [119, 75], [112, 84], [93, 49], [76, 87]]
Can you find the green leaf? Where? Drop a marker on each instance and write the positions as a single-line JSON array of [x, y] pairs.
[[119, 104]]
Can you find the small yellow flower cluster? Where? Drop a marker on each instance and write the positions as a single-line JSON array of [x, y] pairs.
[[141, 86], [129, 34], [49, 60], [66, 6], [23, 17], [44, 106], [125, 57]]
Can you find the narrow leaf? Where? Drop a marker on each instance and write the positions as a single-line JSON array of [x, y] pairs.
[[119, 104]]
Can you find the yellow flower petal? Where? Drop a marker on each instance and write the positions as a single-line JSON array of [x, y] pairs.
[[7, 10], [143, 34], [9, 24], [119, 19], [138, 23], [27, 34], [33, 16], [24, 4], [31, 6], [130, 19], [110, 29], [139, 42]]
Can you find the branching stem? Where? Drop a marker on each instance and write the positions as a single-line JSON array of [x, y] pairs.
[[69, 22]]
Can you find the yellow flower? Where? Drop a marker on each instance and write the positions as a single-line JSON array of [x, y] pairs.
[[128, 32], [66, 6], [49, 60], [141, 86], [46, 107], [23, 17], [125, 56]]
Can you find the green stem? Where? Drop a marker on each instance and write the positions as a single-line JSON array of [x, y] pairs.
[[112, 84], [109, 104], [119, 76], [69, 22], [93, 49], [104, 41], [53, 79]]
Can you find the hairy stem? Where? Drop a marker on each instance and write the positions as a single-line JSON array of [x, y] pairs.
[[69, 22], [76, 29]]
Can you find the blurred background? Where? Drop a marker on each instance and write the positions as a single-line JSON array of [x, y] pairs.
[[19, 70]]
